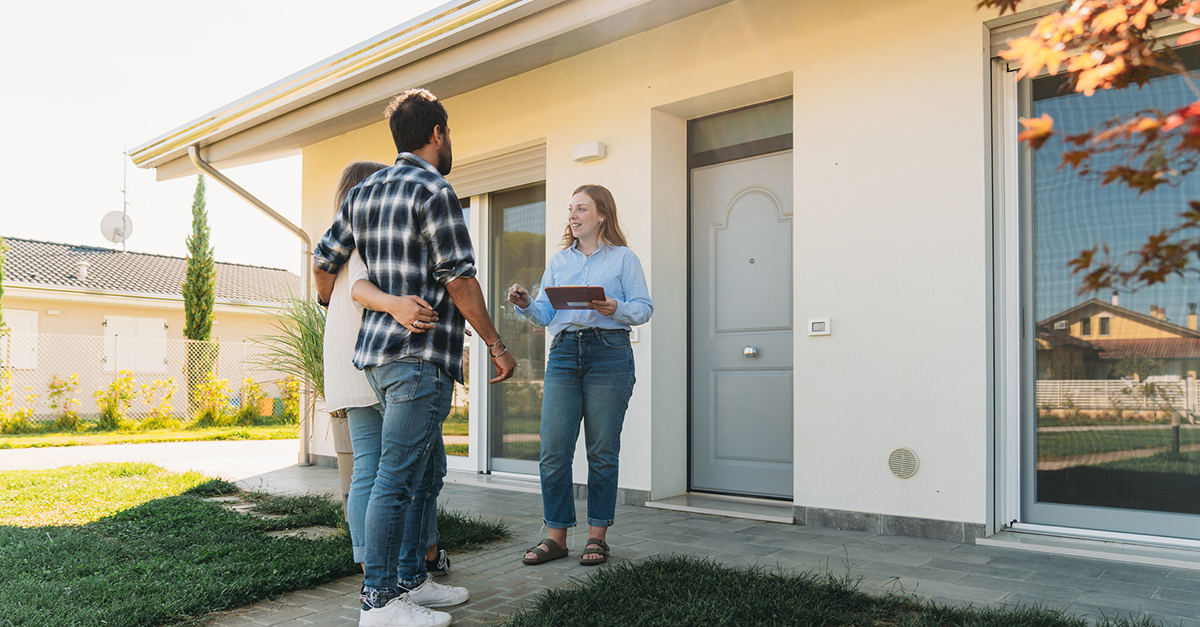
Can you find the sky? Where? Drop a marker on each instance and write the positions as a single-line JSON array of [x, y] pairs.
[[86, 80], [1075, 213]]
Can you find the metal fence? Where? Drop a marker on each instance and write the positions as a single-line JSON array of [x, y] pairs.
[[80, 366]]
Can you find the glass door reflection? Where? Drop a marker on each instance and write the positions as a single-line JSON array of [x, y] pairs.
[[1111, 439], [518, 255]]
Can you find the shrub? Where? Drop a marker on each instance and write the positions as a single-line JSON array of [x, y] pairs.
[[12, 420], [60, 396], [212, 402], [159, 395], [252, 393], [291, 400], [16, 420], [114, 402]]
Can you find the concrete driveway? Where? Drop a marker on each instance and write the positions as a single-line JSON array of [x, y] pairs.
[[265, 465]]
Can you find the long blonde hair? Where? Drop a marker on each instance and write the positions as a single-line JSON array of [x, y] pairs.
[[352, 175], [610, 230]]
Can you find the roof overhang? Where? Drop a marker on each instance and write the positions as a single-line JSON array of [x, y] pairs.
[[456, 48]]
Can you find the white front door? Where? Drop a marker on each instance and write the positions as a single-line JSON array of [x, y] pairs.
[[742, 326]]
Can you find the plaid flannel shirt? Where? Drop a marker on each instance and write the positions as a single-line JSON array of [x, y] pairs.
[[407, 224]]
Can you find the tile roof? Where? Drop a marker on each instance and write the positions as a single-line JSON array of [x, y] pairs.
[[52, 264], [1157, 348]]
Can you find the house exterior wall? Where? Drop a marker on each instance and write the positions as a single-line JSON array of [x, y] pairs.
[[76, 318], [891, 218], [1121, 327]]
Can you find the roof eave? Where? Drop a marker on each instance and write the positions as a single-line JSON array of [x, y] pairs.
[[436, 30], [506, 38]]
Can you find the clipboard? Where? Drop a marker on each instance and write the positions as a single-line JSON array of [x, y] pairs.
[[575, 296]]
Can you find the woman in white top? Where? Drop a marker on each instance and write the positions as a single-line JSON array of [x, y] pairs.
[[347, 389]]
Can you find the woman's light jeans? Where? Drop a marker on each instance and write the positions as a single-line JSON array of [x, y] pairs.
[[589, 377], [366, 428]]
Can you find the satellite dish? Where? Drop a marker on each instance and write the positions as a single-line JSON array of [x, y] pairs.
[[117, 226]]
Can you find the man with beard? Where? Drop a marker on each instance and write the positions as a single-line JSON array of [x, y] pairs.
[[407, 224]]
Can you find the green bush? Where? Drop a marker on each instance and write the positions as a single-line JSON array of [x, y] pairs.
[[212, 403], [252, 393], [291, 400], [60, 396], [114, 402]]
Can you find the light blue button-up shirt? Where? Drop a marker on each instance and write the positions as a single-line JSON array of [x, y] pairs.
[[615, 268]]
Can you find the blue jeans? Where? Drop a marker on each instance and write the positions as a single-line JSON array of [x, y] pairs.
[[366, 433], [416, 397], [589, 377]]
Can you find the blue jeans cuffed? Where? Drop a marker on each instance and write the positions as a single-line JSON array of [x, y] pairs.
[[589, 377]]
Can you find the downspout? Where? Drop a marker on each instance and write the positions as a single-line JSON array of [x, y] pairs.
[[305, 270]]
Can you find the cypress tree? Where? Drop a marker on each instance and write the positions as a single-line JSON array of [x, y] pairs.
[[199, 296], [200, 282]]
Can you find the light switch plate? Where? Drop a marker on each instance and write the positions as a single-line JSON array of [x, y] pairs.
[[819, 327], [633, 334]]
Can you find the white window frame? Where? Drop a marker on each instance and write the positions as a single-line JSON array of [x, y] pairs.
[[1010, 320]]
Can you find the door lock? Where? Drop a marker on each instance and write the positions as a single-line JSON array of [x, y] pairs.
[[750, 351]]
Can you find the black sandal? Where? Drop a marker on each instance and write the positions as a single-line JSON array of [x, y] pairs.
[[602, 551], [543, 556]]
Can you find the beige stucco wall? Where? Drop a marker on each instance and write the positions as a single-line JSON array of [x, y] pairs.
[[87, 318], [890, 217]]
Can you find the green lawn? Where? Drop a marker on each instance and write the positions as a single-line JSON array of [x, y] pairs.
[[36, 440], [1165, 462], [1069, 443], [133, 545], [686, 591]]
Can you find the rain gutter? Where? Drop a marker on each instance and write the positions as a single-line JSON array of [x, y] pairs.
[[305, 270]]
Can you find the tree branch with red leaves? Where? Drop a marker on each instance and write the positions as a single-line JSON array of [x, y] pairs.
[[1110, 44]]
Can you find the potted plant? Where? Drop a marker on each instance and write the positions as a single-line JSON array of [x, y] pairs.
[[297, 349]]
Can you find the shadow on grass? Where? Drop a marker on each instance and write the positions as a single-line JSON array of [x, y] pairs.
[[686, 591]]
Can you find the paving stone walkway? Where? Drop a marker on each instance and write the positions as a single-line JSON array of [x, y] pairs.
[[942, 571]]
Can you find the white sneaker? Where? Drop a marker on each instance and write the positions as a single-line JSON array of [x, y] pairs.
[[402, 612], [430, 594]]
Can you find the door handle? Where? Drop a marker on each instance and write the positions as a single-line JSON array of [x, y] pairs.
[[750, 351]]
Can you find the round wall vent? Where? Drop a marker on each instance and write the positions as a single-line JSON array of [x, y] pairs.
[[903, 462]]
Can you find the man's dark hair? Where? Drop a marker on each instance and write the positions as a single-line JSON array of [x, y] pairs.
[[412, 117]]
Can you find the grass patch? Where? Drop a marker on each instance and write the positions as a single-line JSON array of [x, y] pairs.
[[458, 450], [679, 590], [1166, 462], [270, 432], [1057, 444], [75, 495], [158, 561], [456, 422], [457, 530], [133, 545]]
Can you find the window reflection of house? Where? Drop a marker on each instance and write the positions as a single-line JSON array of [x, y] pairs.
[[1068, 348]]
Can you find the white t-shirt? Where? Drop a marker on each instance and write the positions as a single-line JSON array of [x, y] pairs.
[[345, 385]]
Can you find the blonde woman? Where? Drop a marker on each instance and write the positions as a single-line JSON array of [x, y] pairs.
[[589, 376]]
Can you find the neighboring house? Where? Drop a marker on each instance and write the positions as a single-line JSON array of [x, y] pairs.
[[1087, 340], [66, 290], [812, 188]]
